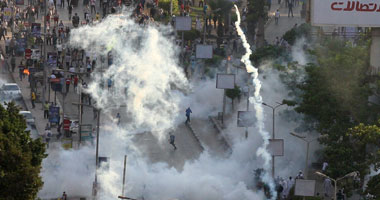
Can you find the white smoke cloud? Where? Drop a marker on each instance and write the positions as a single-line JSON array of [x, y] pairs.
[[147, 79]]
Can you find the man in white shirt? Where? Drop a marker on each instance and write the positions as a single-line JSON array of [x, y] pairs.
[[324, 166]]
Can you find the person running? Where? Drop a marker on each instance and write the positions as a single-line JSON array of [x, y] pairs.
[[188, 111], [171, 140]]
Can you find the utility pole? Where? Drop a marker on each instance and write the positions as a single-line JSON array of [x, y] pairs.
[[125, 165], [97, 150], [44, 64], [273, 128]]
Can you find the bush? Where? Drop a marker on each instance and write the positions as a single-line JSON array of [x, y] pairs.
[[266, 52], [165, 4], [302, 30], [233, 93], [215, 60], [192, 35]]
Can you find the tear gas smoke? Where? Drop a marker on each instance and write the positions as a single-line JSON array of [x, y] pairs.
[[146, 78], [256, 100]]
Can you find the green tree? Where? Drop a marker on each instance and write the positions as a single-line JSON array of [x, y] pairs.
[[334, 98], [165, 5], [256, 18], [221, 9], [20, 157], [373, 186], [233, 94]]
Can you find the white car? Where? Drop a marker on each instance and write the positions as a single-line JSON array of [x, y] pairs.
[[28, 117], [10, 90]]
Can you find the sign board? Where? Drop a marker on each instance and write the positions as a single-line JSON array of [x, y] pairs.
[[7, 14], [54, 114], [225, 81], [36, 29], [203, 51], [52, 59], [362, 13], [246, 119], [304, 188], [67, 143], [86, 131], [182, 23], [276, 147]]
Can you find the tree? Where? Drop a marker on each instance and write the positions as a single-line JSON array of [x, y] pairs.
[[221, 9], [233, 94], [373, 186], [20, 157], [334, 98], [256, 18]]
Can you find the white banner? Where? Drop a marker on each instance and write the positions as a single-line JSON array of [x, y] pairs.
[[360, 13]]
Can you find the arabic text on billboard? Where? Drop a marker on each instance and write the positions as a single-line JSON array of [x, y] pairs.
[[362, 13]]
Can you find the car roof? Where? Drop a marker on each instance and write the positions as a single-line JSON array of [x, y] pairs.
[[24, 112], [10, 84]]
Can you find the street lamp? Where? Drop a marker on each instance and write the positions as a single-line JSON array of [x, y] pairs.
[[351, 174], [307, 147], [273, 133]]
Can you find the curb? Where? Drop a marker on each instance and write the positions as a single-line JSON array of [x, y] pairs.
[[219, 129], [195, 134]]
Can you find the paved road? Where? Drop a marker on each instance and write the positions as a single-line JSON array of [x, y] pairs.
[[285, 23]]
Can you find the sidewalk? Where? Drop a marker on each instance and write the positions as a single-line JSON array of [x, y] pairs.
[[273, 30]]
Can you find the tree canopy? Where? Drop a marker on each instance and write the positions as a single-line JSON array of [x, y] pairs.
[[20, 157], [334, 96]]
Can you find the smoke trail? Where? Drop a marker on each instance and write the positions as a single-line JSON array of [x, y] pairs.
[[257, 102]]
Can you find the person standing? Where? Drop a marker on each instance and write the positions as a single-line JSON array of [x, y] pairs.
[[324, 166], [276, 16], [68, 81], [327, 187], [188, 111], [109, 83], [47, 136], [290, 7], [70, 8], [64, 196], [33, 97], [93, 3], [118, 117], [76, 82], [171, 141], [46, 110]]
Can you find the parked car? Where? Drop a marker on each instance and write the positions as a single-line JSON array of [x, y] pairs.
[[10, 90], [28, 117]]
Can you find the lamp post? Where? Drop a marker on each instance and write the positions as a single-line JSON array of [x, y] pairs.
[[351, 174], [273, 127], [307, 147]]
